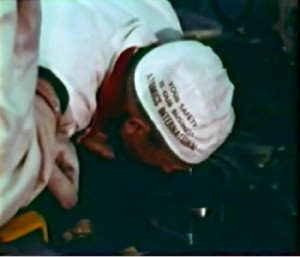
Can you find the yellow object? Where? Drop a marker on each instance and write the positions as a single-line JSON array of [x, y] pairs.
[[22, 225]]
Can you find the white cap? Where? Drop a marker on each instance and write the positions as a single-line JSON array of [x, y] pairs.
[[187, 94]]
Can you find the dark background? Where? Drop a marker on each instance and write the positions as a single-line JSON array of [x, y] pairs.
[[249, 210]]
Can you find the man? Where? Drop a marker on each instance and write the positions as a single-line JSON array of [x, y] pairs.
[[100, 61]]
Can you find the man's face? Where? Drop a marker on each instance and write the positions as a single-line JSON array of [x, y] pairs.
[[135, 133], [136, 142]]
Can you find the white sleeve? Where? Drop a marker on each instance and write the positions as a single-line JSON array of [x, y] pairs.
[[27, 124]]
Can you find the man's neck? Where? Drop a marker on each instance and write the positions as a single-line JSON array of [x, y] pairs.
[[110, 97]]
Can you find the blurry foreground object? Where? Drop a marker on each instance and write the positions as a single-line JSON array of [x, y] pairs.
[[81, 230], [131, 251], [23, 225], [202, 34]]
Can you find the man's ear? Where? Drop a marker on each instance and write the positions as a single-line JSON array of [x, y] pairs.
[[136, 126]]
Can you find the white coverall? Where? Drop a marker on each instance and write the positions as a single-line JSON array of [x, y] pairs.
[[80, 41]]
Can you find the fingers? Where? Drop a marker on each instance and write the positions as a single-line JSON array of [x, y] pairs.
[[99, 148], [64, 180], [67, 161], [62, 189], [101, 137], [96, 142]]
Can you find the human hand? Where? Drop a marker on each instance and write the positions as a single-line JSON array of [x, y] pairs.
[[63, 183], [96, 141]]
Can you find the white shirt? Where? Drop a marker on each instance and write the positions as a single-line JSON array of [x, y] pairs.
[[80, 41]]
